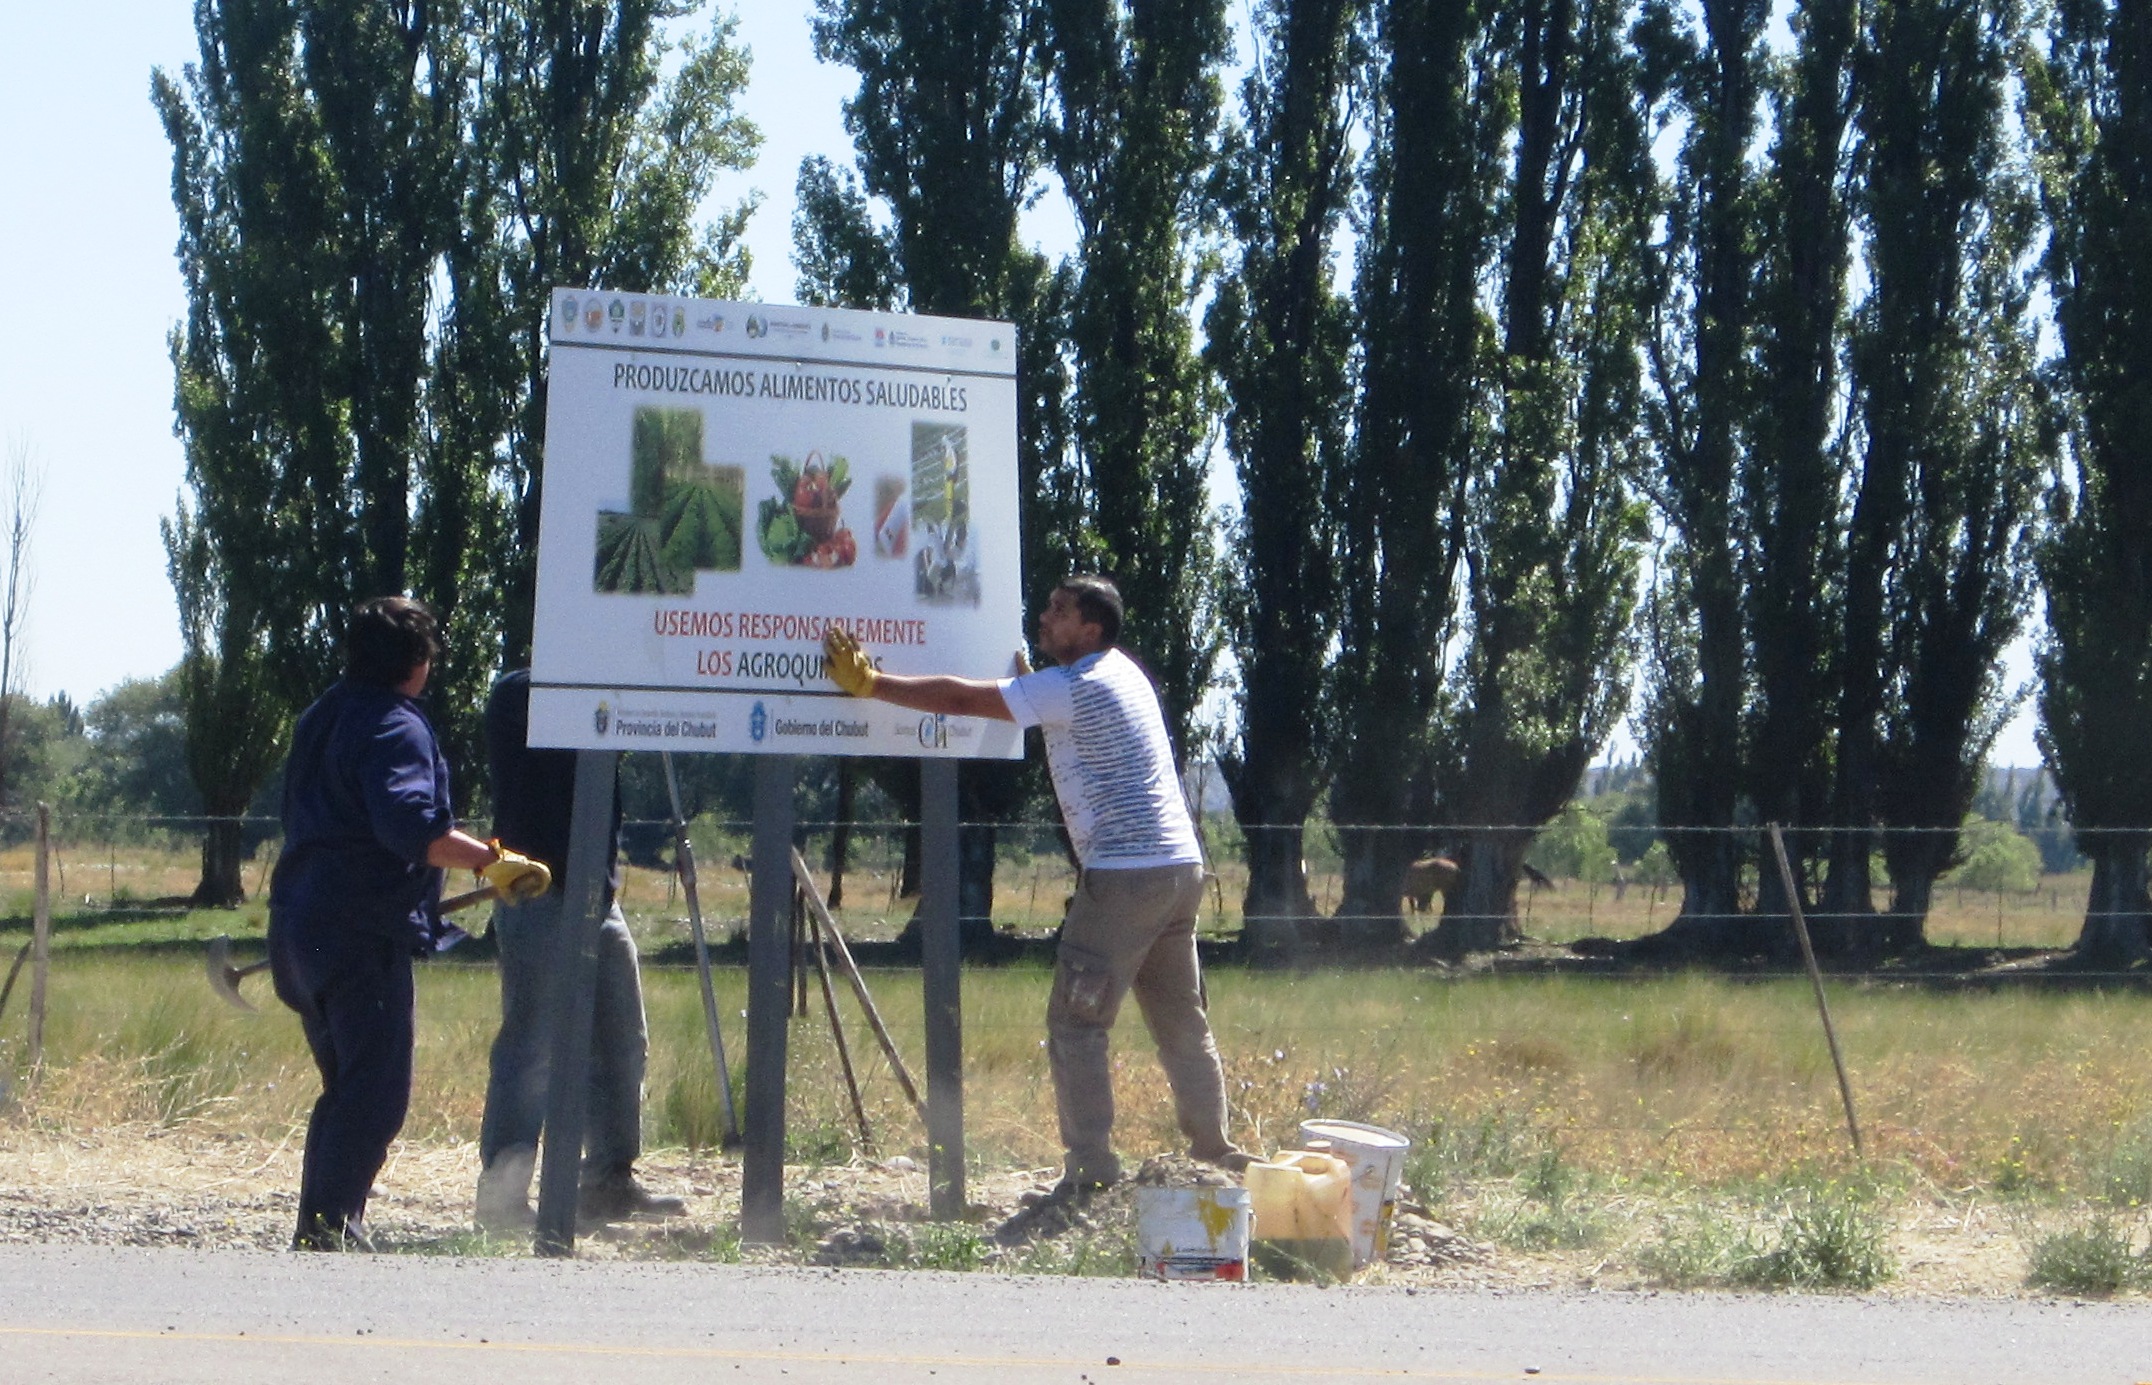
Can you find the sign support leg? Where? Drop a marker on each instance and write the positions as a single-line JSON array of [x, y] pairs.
[[574, 1000], [769, 1003], [943, 982]]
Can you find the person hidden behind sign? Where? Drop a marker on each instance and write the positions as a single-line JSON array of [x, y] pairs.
[[368, 831], [1131, 925], [533, 799]]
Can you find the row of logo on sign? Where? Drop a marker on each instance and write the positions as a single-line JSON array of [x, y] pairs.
[[639, 317], [934, 731]]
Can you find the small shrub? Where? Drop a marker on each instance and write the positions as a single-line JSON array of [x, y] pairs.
[[1700, 1249], [186, 1068], [689, 1112], [1547, 1217], [935, 1246], [1826, 1239], [2129, 1168], [2091, 1257]]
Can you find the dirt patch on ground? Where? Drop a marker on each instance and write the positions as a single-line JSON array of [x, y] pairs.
[[165, 1187]]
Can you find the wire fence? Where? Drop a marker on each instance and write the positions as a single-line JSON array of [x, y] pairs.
[[1393, 877]]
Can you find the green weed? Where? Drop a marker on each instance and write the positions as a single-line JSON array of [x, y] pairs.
[[2129, 1167], [935, 1246], [1696, 1249], [2090, 1256], [1826, 1238]]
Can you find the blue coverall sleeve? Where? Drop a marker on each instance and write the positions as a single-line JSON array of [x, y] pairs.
[[403, 804]]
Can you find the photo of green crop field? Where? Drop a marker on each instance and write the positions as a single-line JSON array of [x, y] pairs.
[[686, 515], [1646, 1129]]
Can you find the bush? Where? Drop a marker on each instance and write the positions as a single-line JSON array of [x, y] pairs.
[[1827, 1239], [2091, 1257]]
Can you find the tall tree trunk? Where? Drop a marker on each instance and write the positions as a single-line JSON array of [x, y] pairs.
[[223, 884], [2118, 912]]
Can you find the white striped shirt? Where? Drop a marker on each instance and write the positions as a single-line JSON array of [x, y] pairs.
[[1112, 764]]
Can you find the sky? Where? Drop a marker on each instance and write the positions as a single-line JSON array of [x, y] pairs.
[[87, 234]]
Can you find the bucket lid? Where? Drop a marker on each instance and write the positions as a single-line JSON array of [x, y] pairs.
[[1352, 1132]]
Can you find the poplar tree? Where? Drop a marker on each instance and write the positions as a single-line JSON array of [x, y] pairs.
[[1702, 370], [1554, 530], [1946, 393], [948, 136], [1280, 341], [1795, 469], [1131, 132], [1428, 181], [2091, 114], [374, 203]]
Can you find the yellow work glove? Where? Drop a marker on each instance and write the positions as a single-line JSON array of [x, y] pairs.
[[514, 876], [849, 667]]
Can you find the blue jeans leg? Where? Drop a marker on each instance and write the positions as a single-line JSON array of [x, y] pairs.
[[527, 936]]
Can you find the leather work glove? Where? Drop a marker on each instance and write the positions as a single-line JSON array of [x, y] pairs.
[[514, 876], [849, 667]]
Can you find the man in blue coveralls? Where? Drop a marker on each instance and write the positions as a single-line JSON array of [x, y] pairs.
[[368, 831]]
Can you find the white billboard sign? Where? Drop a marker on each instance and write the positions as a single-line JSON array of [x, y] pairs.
[[723, 481]]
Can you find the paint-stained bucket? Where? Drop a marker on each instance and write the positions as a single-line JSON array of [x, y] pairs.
[[1192, 1233], [1377, 1157]]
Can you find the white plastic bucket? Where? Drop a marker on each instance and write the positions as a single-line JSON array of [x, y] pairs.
[[1192, 1233], [1377, 1157]]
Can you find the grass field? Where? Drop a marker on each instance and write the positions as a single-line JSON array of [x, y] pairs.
[[1683, 1127], [100, 890]]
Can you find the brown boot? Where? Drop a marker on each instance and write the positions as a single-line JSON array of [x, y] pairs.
[[617, 1195]]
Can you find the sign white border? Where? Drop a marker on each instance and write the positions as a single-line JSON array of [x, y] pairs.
[[723, 481]]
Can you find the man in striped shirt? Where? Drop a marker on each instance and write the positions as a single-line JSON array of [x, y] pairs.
[[1131, 925]]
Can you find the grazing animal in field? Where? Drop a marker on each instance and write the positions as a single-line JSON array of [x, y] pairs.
[[1433, 875], [1428, 877]]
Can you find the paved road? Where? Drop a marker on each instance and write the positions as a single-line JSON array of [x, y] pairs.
[[81, 1315]]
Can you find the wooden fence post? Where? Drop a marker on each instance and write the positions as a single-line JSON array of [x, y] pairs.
[[41, 938]]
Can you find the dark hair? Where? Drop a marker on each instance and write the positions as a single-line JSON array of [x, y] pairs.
[[1098, 601], [388, 638]]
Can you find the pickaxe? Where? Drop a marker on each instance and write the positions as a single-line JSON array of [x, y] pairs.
[[224, 978]]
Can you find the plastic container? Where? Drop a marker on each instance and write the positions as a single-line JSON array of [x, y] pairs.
[[1303, 1215], [1198, 1234], [1377, 1157]]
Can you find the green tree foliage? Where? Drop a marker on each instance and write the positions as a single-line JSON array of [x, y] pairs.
[[237, 726], [135, 754], [1428, 181], [1955, 221], [592, 143], [1795, 468], [1280, 338], [1131, 133], [1553, 527], [375, 203], [1707, 81], [948, 134], [1994, 858], [2093, 123]]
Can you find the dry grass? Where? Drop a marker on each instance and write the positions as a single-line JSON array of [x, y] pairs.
[[1575, 1121]]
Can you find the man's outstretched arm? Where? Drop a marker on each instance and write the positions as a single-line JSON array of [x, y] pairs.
[[948, 694]]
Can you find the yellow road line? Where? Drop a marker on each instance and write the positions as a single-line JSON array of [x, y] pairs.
[[1235, 1368]]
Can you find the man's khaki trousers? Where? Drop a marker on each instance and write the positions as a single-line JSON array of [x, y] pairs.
[[1132, 930]]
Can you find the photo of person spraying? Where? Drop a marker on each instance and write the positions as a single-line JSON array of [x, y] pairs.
[[369, 829], [1131, 925]]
